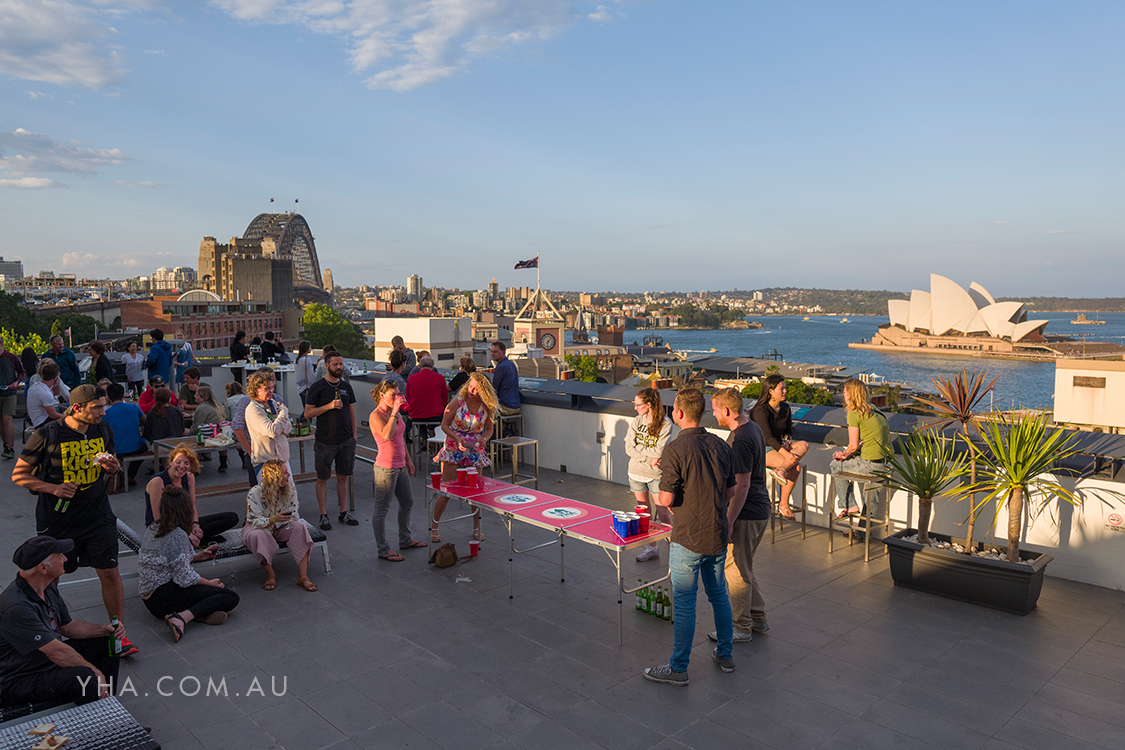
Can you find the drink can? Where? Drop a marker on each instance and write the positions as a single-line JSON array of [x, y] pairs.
[[435, 479]]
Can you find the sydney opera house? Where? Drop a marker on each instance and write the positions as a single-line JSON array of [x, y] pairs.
[[951, 320]]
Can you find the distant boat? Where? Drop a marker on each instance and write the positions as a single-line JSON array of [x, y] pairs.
[[806, 317], [845, 320], [1082, 320], [713, 350]]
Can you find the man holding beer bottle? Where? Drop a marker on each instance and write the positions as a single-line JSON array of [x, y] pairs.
[[331, 401]]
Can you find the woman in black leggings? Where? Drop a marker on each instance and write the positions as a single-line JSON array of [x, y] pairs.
[[183, 465], [169, 586]]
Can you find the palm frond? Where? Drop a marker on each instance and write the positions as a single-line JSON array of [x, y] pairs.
[[928, 467], [958, 399]]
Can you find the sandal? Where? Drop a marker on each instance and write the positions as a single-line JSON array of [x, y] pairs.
[[787, 516], [477, 535], [415, 543], [177, 630], [393, 556], [306, 584], [270, 584], [435, 537]]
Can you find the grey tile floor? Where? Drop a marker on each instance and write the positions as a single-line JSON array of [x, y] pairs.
[[408, 656]]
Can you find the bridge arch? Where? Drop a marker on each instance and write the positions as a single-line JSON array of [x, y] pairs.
[[294, 242]]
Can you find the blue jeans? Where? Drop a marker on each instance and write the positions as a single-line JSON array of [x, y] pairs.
[[686, 567], [845, 493]]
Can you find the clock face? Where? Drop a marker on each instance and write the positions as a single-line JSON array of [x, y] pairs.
[[547, 341]]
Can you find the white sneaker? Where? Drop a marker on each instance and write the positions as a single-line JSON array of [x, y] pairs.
[[650, 552]]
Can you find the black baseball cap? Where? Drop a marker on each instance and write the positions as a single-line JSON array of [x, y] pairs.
[[39, 548]]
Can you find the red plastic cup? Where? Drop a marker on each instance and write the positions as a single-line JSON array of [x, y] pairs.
[[462, 476], [472, 478], [640, 509], [645, 517], [474, 548], [435, 479]]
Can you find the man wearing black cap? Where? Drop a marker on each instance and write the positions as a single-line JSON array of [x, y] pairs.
[[35, 663], [65, 462]]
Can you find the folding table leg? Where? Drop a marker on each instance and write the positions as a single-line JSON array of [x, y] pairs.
[[620, 627], [511, 555], [562, 559]]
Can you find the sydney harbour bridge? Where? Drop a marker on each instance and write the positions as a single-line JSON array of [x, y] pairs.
[[295, 243]]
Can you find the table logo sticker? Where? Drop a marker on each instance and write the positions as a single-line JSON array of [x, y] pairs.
[[563, 513], [516, 499]]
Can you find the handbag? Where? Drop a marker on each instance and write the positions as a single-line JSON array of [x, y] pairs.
[[444, 556], [114, 483]]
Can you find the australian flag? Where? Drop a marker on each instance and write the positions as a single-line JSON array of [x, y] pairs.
[[533, 263]]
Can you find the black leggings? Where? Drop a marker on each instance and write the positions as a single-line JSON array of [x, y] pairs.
[[67, 684], [200, 599], [215, 524]]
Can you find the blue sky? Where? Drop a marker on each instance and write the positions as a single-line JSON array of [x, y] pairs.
[[640, 144]]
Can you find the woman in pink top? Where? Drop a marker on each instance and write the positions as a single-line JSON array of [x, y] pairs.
[[393, 469], [467, 424]]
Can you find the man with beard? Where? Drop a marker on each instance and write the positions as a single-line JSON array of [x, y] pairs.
[[331, 401]]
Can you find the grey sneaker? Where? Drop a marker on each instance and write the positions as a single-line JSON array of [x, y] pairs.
[[664, 673], [727, 665], [760, 627], [739, 636], [650, 552]]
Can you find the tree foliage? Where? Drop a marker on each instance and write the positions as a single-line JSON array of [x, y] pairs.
[[15, 342], [324, 325], [585, 367], [713, 317]]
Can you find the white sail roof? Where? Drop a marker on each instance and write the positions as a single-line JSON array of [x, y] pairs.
[[919, 311], [948, 309], [899, 310], [951, 305]]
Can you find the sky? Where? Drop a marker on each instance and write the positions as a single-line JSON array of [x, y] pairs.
[[632, 144]]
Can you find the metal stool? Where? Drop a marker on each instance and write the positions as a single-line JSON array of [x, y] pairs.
[[514, 444], [775, 502], [496, 446], [863, 482]]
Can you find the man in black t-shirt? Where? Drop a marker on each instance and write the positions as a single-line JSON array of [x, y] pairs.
[[748, 515], [331, 401], [66, 462], [35, 664]]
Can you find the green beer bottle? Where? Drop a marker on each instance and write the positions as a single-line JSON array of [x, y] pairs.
[[639, 595], [667, 605]]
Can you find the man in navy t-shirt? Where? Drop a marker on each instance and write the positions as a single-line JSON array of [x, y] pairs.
[[748, 514], [505, 380], [126, 420]]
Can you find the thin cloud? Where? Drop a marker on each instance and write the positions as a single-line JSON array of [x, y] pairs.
[[1060, 231], [142, 184], [58, 41], [29, 183], [601, 15], [411, 43], [36, 152], [39, 95], [94, 261]]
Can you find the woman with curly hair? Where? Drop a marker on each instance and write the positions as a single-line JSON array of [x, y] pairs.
[[169, 586], [467, 424], [272, 517], [183, 465]]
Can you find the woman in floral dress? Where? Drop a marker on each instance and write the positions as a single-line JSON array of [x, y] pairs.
[[467, 424]]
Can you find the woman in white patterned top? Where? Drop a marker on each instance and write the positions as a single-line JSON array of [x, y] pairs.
[[169, 586], [272, 517]]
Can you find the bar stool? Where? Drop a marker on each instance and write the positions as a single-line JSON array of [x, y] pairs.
[[496, 447], [863, 482], [514, 444], [775, 502]]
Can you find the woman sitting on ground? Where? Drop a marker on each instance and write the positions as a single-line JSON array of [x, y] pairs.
[[783, 453], [183, 465], [163, 420], [467, 424], [169, 586], [272, 517], [869, 447], [393, 469]]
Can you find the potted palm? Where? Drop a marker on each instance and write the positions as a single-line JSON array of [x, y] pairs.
[[958, 403], [1016, 463], [927, 467]]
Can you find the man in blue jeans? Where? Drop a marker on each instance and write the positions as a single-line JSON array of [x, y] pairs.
[[698, 480]]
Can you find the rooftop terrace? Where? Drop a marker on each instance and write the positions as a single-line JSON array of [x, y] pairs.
[[405, 655]]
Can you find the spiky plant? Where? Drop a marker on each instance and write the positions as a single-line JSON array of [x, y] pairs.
[[1017, 460], [929, 467], [957, 403]]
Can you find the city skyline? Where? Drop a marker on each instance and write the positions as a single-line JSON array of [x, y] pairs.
[[861, 146]]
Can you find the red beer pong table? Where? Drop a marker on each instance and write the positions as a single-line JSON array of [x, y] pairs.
[[565, 517]]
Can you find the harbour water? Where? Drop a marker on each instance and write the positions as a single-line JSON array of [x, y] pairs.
[[823, 340]]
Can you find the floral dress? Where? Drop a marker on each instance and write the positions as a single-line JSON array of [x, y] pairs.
[[467, 429]]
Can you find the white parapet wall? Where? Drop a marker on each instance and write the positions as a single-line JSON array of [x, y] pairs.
[[1087, 542]]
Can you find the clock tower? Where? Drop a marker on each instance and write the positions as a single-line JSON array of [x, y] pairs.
[[540, 324]]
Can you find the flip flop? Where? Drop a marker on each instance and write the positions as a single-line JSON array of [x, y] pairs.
[[306, 584], [393, 556], [177, 630], [416, 543], [270, 584]]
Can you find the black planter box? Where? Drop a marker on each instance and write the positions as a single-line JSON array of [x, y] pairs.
[[998, 584]]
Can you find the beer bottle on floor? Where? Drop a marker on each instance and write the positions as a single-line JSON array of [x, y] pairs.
[[640, 596], [667, 605]]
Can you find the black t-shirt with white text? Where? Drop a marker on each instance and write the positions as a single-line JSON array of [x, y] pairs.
[[70, 459], [335, 425]]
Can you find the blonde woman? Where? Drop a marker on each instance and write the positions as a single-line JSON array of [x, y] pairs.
[[272, 517], [644, 442], [467, 424], [869, 446]]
